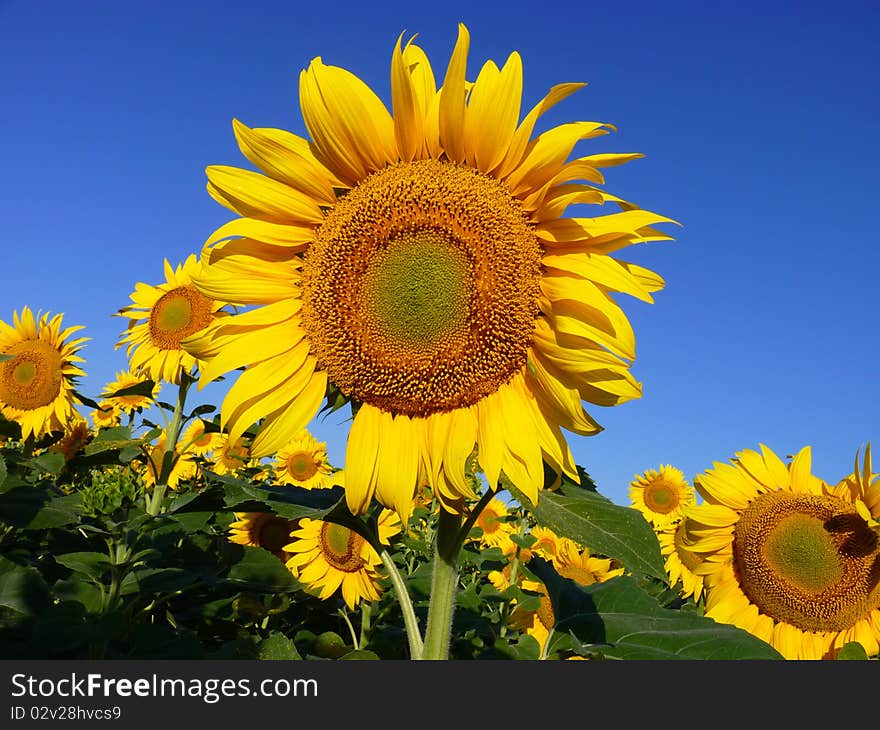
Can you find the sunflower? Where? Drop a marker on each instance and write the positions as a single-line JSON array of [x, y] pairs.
[[38, 372], [580, 565], [130, 403], [263, 529], [536, 623], [785, 557], [198, 441], [76, 434], [418, 262], [184, 466], [106, 415], [679, 560], [160, 317], [496, 529], [230, 456], [327, 556], [303, 462], [661, 495]]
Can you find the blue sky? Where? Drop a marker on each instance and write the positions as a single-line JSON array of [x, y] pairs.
[[759, 122]]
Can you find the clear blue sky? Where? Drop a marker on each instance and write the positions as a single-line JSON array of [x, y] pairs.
[[759, 121]]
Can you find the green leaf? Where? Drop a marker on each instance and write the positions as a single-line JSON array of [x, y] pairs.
[[75, 589], [31, 508], [597, 523], [618, 619], [3, 471], [852, 650], [50, 462], [202, 410], [285, 501], [22, 588], [277, 647], [93, 565], [85, 400], [259, 569], [144, 388]]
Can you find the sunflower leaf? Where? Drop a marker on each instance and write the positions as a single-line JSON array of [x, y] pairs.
[[852, 650], [618, 619], [144, 388], [595, 522], [277, 646], [258, 569]]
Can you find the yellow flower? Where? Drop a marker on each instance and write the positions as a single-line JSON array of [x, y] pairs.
[[862, 488], [263, 529], [303, 462], [106, 415], [328, 557], [129, 403], [496, 530], [577, 563], [679, 561], [198, 441], [230, 456], [38, 373], [418, 261], [76, 434], [184, 466], [661, 495], [161, 316], [539, 623], [785, 557]]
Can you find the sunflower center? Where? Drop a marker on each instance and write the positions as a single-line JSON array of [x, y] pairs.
[[420, 291], [341, 547], [662, 498], [274, 534], [178, 313], [808, 560], [489, 522], [32, 377], [301, 466]]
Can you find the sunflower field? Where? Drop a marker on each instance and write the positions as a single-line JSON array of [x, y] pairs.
[[415, 270]]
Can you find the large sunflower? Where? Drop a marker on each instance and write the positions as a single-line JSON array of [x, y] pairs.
[[419, 262], [785, 557], [38, 372], [161, 316], [328, 557]]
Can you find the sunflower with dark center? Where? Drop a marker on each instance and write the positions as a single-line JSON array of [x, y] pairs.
[[303, 462], [417, 262], [38, 372], [160, 317], [661, 495], [327, 557], [264, 530], [785, 557]]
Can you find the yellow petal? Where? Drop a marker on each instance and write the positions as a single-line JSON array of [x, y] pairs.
[[547, 154], [256, 196], [563, 404], [277, 427], [409, 106], [493, 112], [361, 457], [352, 130], [601, 269], [287, 158], [397, 463], [452, 99], [276, 234], [523, 133]]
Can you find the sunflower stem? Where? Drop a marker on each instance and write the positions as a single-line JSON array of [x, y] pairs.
[[172, 433], [409, 615], [444, 581]]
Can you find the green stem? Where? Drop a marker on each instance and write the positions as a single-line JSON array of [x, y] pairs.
[[444, 581], [172, 433], [365, 623], [354, 637], [406, 607]]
